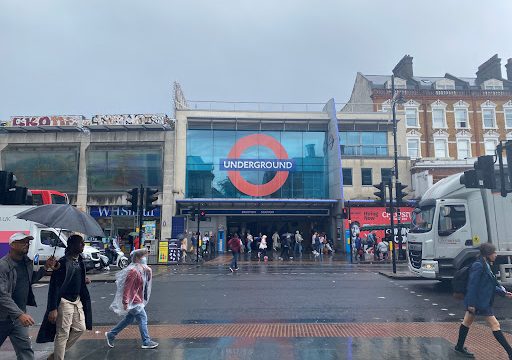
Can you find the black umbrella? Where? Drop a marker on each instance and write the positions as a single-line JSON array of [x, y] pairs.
[[63, 216]]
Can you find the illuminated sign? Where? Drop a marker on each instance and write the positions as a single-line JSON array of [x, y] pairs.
[[281, 165]]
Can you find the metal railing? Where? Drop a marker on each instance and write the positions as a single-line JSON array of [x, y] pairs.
[[408, 93], [210, 105], [369, 150]]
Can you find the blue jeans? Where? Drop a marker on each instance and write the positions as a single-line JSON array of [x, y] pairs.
[[19, 338], [234, 264], [137, 314], [297, 248]]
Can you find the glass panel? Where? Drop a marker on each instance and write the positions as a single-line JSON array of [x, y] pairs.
[[508, 117], [438, 118], [347, 177], [463, 149], [117, 170], [440, 148], [366, 177], [488, 116], [364, 143], [411, 116], [43, 170], [208, 168], [461, 118], [412, 148], [490, 147], [385, 174]]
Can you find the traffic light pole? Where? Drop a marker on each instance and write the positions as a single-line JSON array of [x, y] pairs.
[[141, 212], [198, 219], [392, 223]]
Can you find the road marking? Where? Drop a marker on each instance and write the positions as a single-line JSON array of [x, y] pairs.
[[413, 292], [451, 314], [434, 304], [444, 309], [381, 297], [406, 310]]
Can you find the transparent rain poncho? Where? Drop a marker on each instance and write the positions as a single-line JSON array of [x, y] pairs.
[[133, 288]]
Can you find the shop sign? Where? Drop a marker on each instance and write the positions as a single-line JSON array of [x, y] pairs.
[[234, 165], [304, 212], [163, 251], [149, 230], [54, 120], [108, 211], [130, 119]]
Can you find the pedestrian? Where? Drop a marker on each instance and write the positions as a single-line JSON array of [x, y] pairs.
[[383, 248], [68, 313], [270, 248], [16, 278], [235, 244], [298, 243], [263, 248], [250, 240], [275, 240], [132, 296], [481, 288], [285, 247]]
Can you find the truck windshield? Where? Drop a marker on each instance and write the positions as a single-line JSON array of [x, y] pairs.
[[422, 219]]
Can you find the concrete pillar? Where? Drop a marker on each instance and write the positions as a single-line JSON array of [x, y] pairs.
[[167, 197], [81, 195]]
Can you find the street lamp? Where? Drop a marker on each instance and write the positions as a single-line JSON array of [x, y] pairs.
[[398, 99]]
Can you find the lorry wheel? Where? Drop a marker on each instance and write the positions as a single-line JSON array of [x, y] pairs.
[[123, 263]]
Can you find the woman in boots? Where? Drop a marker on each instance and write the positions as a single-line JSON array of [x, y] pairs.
[[482, 285]]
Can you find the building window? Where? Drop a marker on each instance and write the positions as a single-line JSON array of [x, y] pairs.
[[489, 118], [366, 176], [413, 148], [364, 143], [347, 177], [441, 148], [463, 149], [461, 118], [493, 84], [411, 116], [386, 174], [508, 117], [438, 118], [445, 84], [490, 146]]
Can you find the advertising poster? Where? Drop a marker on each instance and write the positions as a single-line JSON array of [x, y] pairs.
[[365, 219], [149, 230], [163, 251]]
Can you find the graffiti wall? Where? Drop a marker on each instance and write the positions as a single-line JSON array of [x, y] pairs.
[[130, 119], [79, 120], [54, 120]]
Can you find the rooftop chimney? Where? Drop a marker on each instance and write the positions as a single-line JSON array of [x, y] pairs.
[[508, 66], [404, 69], [491, 69]]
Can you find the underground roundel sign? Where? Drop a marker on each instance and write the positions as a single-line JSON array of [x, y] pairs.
[[235, 165]]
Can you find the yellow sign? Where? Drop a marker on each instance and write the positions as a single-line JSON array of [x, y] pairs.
[[476, 240], [163, 252]]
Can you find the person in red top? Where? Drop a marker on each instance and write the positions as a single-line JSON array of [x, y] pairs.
[[235, 244], [133, 291]]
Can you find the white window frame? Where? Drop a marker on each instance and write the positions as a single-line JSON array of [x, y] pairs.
[[507, 107], [486, 106], [492, 84], [400, 84], [417, 140], [466, 140], [438, 106], [447, 150], [445, 84], [488, 140], [461, 106]]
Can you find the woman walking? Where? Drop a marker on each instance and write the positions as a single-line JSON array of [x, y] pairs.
[[482, 285]]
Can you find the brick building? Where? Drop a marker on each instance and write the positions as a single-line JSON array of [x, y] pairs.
[[449, 119]]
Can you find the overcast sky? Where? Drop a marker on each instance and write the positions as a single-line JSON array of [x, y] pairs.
[[122, 56]]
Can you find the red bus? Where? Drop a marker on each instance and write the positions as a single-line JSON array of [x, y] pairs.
[[43, 197]]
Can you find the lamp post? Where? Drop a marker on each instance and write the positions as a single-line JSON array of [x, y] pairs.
[[399, 99]]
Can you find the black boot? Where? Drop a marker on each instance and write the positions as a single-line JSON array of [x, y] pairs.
[[503, 342], [459, 348]]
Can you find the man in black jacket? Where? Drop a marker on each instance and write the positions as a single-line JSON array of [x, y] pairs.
[[16, 278], [69, 305]]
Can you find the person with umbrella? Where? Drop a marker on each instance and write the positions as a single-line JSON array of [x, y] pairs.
[[16, 278], [68, 313]]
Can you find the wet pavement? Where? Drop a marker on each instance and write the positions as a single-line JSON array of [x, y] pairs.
[[299, 309]]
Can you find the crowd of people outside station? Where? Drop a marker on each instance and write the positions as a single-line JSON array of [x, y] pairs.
[[193, 244], [370, 247]]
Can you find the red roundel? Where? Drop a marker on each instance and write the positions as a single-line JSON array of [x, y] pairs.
[[243, 185]]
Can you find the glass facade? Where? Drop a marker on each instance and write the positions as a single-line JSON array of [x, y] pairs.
[[208, 171], [120, 169], [364, 143], [43, 169]]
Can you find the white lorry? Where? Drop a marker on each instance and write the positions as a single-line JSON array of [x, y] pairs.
[[42, 247], [449, 224]]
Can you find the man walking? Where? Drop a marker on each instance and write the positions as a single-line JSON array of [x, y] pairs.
[[68, 313], [235, 245], [133, 291], [16, 278], [298, 243]]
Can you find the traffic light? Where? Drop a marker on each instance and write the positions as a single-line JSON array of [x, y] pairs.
[[381, 194], [469, 179], [192, 214], [344, 213], [485, 171], [202, 215], [133, 199], [400, 194], [17, 196], [150, 199]]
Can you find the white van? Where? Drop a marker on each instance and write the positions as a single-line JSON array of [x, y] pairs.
[[41, 248]]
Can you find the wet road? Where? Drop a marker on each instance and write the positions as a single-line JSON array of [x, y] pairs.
[[294, 293]]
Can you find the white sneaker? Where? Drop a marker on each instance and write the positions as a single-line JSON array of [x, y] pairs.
[[150, 345]]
